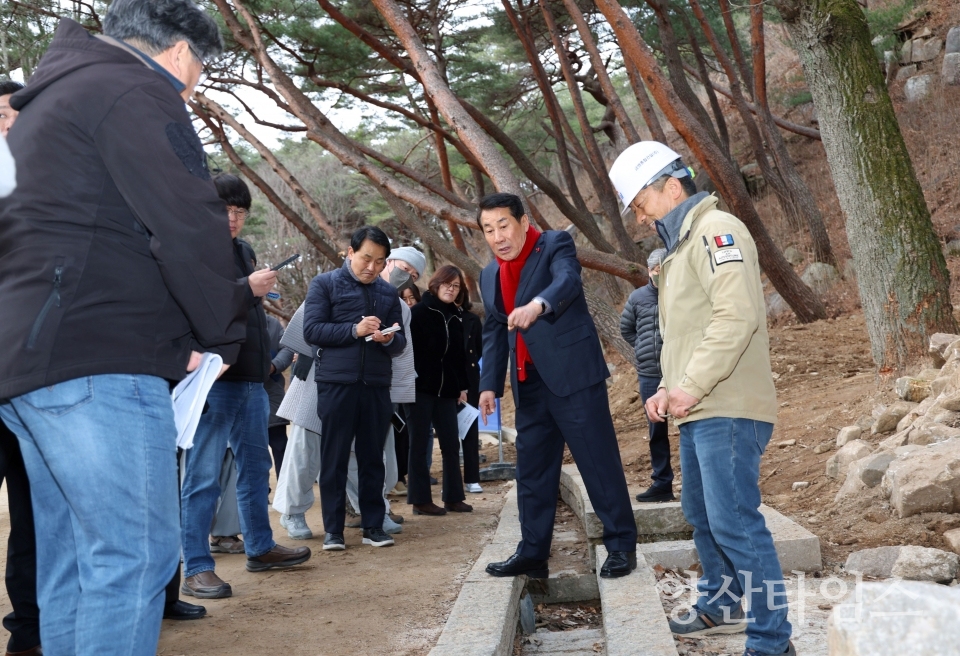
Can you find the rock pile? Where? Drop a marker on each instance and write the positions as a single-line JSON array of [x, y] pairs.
[[916, 63], [918, 466]]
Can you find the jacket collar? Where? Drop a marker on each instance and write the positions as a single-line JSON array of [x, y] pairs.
[[670, 227], [144, 58]]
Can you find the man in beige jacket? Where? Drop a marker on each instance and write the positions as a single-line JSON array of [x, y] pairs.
[[718, 387]]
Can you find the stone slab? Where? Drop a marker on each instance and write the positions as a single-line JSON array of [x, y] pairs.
[[483, 621], [508, 530], [664, 520], [797, 548], [555, 643], [564, 587], [633, 619]]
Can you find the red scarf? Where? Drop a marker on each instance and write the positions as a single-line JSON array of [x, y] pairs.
[[509, 284]]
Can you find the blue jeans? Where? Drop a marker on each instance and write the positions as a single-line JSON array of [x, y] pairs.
[[236, 417], [720, 460], [99, 452]]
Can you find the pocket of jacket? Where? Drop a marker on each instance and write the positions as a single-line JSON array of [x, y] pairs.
[[574, 335], [58, 400], [53, 299]]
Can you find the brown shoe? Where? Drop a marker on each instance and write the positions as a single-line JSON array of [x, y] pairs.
[[206, 585], [396, 518], [36, 651], [458, 506], [230, 544], [278, 558], [428, 509]]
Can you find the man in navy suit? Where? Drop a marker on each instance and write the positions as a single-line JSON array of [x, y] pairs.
[[536, 311]]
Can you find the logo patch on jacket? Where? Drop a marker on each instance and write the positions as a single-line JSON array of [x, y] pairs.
[[728, 255], [723, 240]]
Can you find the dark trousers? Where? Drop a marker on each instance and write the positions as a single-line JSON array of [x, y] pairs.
[[401, 441], [471, 446], [347, 413], [443, 414], [582, 420], [278, 444], [171, 593], [21, 578], [659, 443]]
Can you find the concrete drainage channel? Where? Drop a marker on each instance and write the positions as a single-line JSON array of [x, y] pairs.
[[484, 618]]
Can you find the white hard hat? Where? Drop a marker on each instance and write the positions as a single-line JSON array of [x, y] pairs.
[[641, 164]]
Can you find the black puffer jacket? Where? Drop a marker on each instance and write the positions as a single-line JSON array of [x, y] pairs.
[[253, 363], [438, 347], [335, 303], [640, 326], [114, 248]]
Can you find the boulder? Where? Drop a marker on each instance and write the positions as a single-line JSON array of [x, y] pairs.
[[820, 277], [906, 53], [950, 401], [919, 87], [938, 347], [872, 468], [931, 433], [912, 389], [925, 564], [952, 538], [926, 480], [848, 434], [894, 442], [877, 562], [928, 374], [950, 69], [793, 255], [896, 617], [953, 41], [927, 50], [906, 562], [888, 419], [852, 485], [838, 463], [905, 72]]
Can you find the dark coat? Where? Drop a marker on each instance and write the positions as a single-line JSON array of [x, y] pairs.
[[564, 343], [473, 345], [253, 361], [336, 302], [640, 326], [438, 347], [115, 252]]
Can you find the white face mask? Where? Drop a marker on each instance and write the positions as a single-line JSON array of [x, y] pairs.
[[655, 277]]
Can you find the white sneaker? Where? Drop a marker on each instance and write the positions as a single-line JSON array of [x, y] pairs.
[[474, 487], [390, 527], [296, 526]]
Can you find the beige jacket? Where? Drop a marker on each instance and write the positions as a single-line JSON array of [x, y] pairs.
[[713, 319]]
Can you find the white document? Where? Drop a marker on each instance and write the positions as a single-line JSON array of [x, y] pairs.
[[465, 418], [190, 395]]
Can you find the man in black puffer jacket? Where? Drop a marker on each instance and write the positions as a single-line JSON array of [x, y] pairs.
[[640, 326], [237, 416], [344, 309]]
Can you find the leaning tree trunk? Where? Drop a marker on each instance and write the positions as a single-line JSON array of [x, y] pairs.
[[903, 278]]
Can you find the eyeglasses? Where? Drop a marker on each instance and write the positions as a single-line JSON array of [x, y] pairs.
[[452, 286], [238, 212]]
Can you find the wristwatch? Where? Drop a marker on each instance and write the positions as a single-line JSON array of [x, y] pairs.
[[543, 306]]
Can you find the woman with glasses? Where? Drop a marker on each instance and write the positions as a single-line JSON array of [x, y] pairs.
[[436, 327]]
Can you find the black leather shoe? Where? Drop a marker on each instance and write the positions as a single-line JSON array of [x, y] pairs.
[[618, 563], [517, 565], [655, 495], [181, 610]]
